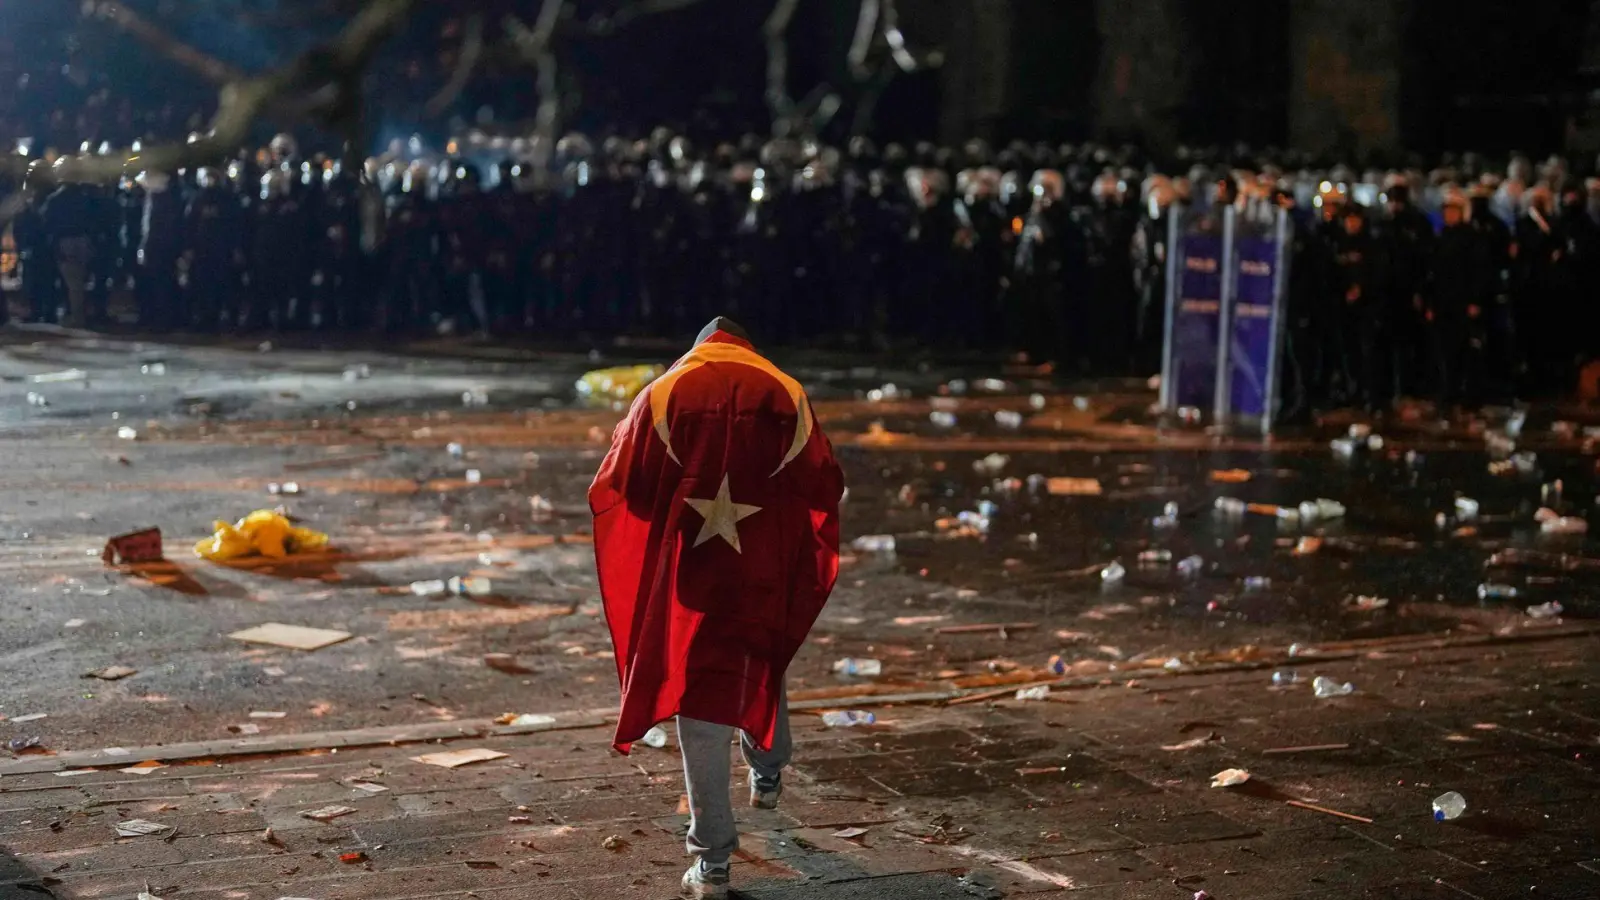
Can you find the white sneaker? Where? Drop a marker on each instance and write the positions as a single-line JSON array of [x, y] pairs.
[[760, 799], [704, 882]]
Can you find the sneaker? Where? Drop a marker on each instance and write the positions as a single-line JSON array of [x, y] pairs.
[[702, 882], [764, 794]]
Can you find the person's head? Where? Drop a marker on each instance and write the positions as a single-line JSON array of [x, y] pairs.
[[726, 326], [1353, 221], [1454, 209]]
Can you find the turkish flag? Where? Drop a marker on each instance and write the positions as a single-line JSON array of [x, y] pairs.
[[716, 535]]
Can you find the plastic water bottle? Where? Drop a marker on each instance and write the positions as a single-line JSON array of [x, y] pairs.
[[874, 543], [1466, 508], [942, 418], [1189, 566], [1515, 421], [1330, 509], [1008, 418], [431, 588], [656, 737], [865, 668], [1496, 592], [454, 449], [847, 718], [1155, 557], [1057, 665], [1113, 573], [470, 586], [1546, 610], [1040, 692], [1448, 806], [1284, 677], [987, 508], [1325, 688], [1230, 506], [1257, 583]]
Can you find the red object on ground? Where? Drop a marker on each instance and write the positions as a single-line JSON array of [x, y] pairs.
[[717, 539], [133, 547]]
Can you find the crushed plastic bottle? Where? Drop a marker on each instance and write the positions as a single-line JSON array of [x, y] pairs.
[[1284, 677], [1329, 509], [1039, 692], [454, 449], [847, 718], [1326, 688], [1168, 517], [1254, 584], [1037, 401], [1466, 508], [127, 434], [1230, 506], [288, 488], [656, 737], [474, 476], [155, 368], [431, 588], [1546, 610], [1524, 462], [1155, 557], [1113, 573], [942, 418], [873, 543], [957, 386], [987, 508], [1489, 591], [1375, 442], [1057, 665], [860, 668], [1515, 421], [1342, 447], [1190, 566], [1448, 806], [1008, 418], [357, 373], [470, 586], [475, 397], [37, 399]]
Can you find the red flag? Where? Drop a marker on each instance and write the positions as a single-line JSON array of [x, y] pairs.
[[716, 534]]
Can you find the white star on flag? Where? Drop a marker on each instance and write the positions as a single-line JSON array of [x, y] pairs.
[[722, 516]]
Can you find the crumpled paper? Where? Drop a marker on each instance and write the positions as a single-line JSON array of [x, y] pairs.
[[264, 532]]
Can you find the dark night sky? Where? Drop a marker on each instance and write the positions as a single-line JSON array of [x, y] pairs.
[[1476, 73]]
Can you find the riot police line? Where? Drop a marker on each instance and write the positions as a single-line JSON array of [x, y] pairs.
[[1458, 284]]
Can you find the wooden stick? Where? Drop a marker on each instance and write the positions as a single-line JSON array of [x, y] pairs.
[[1332, 812], [1313, 748], [995, 626]]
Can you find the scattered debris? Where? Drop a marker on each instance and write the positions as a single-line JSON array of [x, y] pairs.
[[1229, 778], [60, 377], [873, 543], [454, 759], [246, 729], [288, 488], [139, 828], [507, 663], [847, 718], [144, 768], [1300, 804], [328, 813], [977, 628], [1038, 692], [1193, 743], [291, 637], [265, 714], [1546, 610], [849, 834], [1448, 806], [134, 547], [615, 843], [1326, 688], [859, 668], [1311, 748], [352, 859], [1231, 476], [111, 673], [367, 787], [655, 738], [31, 717], [1364, 603], [265, 532], [525, 720]]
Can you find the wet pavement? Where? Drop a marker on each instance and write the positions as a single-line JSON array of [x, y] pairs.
[[1012, 594]]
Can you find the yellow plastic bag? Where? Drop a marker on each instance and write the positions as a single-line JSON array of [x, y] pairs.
[[263, 532], [616, 385]]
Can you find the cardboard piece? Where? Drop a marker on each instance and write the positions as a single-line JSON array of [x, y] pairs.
[[452, 759], [292, 637]]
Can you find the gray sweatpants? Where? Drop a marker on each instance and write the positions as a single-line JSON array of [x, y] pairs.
[[713, 834]]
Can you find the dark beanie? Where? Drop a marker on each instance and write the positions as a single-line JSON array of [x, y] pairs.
[[723, 324]]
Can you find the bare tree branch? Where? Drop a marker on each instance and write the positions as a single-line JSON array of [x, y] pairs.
[[535, 45], [776, 33], [896, 39], [466, 64], [861, 43], [131, 22], [329, 75]]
